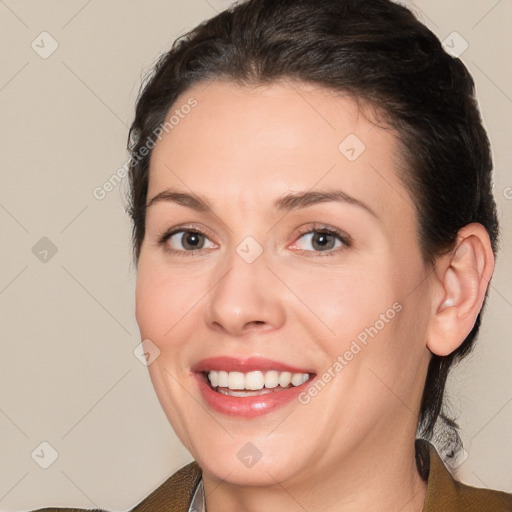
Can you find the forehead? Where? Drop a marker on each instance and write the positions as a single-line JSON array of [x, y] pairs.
[[240, 143]]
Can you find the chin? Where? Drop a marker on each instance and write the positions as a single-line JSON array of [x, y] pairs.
[[248, 460]]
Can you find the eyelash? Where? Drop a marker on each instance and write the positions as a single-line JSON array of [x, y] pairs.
[[316, 228], [323, 229]]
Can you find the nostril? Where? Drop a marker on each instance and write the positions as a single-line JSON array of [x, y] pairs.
[[256, 325], [255, 322]]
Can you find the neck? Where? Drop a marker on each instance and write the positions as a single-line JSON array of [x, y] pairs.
[[371, 480]]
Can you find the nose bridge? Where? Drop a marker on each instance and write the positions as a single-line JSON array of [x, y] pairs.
[[242, 298]]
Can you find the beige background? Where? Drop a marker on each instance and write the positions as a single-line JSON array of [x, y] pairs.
[[68, 375]]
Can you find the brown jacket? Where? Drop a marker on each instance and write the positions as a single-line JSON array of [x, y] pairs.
[[444, 494]]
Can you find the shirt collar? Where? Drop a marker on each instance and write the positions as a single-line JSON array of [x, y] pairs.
[[198, 502]]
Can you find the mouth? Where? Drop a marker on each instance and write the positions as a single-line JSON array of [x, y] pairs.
[[249, 387]]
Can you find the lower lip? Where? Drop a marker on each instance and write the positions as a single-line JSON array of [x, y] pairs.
[[247, 406]]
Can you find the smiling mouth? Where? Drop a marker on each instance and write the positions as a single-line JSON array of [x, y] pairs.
[[254, 383]]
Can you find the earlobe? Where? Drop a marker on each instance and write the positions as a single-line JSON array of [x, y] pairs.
[[463, 278]]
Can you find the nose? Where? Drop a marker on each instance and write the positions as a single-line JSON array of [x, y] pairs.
[[244, 298]]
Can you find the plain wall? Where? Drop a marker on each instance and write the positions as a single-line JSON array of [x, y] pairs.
[[68, 374]]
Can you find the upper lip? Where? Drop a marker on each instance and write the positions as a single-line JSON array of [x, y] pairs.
[[246, 364]]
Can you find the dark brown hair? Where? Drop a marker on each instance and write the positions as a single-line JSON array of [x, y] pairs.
[[378, 52]]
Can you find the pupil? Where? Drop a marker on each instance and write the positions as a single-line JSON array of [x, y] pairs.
[[322, 241], [191, 240]]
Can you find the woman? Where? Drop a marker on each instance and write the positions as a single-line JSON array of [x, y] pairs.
[[314, 232]]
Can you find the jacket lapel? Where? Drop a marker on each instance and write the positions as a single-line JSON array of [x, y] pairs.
[[175, 494]]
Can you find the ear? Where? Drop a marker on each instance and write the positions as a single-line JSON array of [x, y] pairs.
[[462, 278]]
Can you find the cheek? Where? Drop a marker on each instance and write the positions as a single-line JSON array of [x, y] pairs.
[[343, 305], [164, 299], [164, 306]]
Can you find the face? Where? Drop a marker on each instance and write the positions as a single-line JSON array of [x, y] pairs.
[[280, 245]]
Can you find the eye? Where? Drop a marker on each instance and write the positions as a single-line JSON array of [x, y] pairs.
[[185, 240], [319, 239]]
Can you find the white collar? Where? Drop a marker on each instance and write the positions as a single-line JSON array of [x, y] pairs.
[[198, 503]]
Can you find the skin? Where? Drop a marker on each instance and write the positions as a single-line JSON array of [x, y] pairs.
[[352, 446]]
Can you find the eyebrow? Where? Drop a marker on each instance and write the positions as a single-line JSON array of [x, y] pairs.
[[305, 199], [288, 202], [189, 200]]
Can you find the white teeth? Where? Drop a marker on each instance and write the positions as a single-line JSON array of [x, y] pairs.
[[223, 379], [255, 380], [214, 378], [284, 379], [236, 380], [271, 379], [297, 379]]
